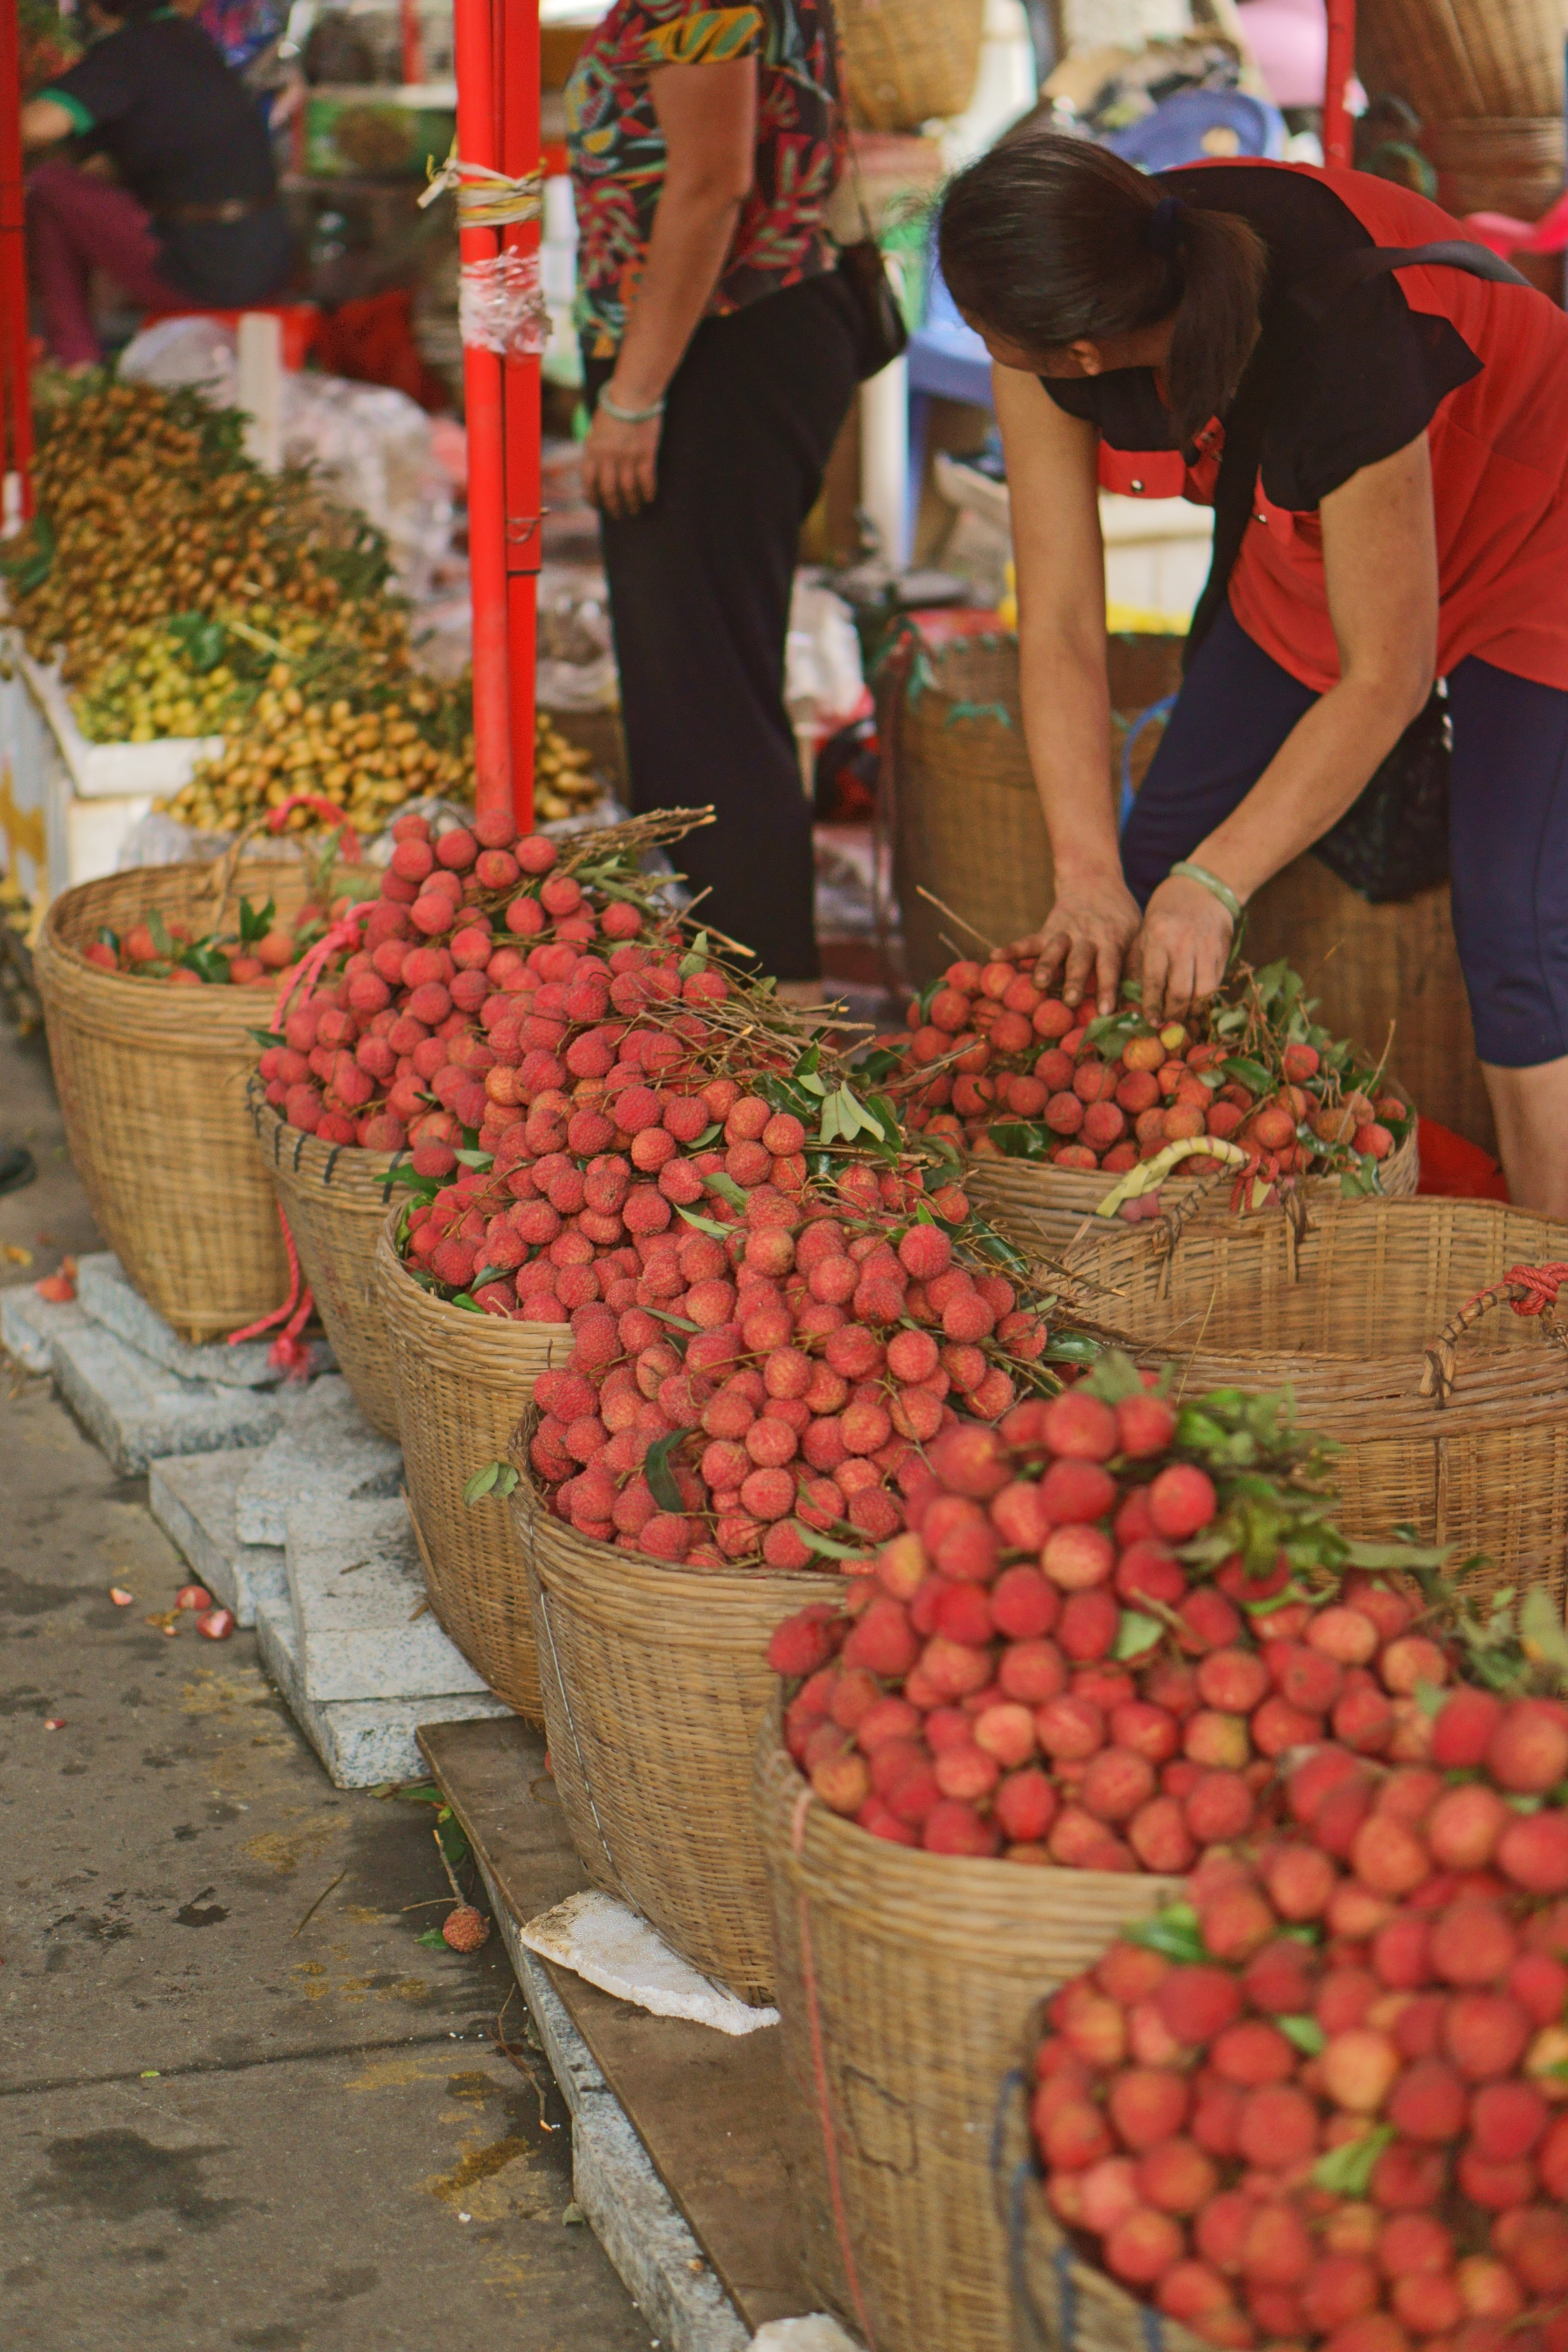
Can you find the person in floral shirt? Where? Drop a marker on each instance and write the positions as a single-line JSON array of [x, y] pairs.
[[720, 348]]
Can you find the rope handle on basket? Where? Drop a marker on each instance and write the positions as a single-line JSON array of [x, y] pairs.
[[1013, 2193], [1528, 1289], [286, 1354], [228, 866], [802, 1807]]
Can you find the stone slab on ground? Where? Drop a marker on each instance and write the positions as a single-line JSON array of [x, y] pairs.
[[362, 1742], [135, 1410], [192, 1497], [364, 1624], [327, 1456], [104, 1292], [29, 1327]]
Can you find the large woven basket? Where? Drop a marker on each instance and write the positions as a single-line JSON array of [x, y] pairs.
[[959, 799], [152, 1082], [1456, 57], [461, 1381], [905, 1982], [655, 1683], [1376, 968], [1513, 164], [1344, 1317], [1054, 1202], [334, 1197], [908, 61]]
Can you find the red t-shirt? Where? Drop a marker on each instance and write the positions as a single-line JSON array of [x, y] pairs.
[[1481, 367]]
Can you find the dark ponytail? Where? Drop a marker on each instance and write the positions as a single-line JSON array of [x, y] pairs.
[[1047, 238]]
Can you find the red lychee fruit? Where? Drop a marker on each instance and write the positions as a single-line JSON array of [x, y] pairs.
[[1485, 2034], [1472, 1943], [1464, 1826], [1462, 1730], [1198, 2002], [1176, 2177], [1527, 1752], [1429, 2101], [1148, 2105], [1278, 2249], [1532, 1851], [1141, 2248], [1359, 2068]]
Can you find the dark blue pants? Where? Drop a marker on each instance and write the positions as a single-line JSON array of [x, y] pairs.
[[1507, 820]]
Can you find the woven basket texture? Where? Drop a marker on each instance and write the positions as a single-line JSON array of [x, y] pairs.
[[1458, 58], [334, 1197], [965, 817], [1343, 1318], [1512, 166], [1054, 1202], [1368, 967], [655, 1681], [906, 61], [152, 1082], [907, 1983], [461, 1382]]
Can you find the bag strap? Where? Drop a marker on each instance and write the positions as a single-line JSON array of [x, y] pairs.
[[1245, 425], [828, 14]]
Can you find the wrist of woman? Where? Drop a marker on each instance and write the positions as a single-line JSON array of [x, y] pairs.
[[1188, 869], [632, 403]]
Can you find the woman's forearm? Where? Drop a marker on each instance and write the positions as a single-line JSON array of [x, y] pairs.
[[692, 232], [1066, 725], [1321, 767]]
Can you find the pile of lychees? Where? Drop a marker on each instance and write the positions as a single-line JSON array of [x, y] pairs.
[[1018, 1072], [1066, 1656], [1324, 2101], [475, 932], [759, 1381]]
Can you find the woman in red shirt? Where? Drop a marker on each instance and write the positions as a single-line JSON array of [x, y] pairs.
[[1402, 431]]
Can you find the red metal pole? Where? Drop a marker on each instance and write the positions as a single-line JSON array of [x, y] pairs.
[[413, 43], [521, 405], [478, 142], [16, 403], [1339, 137]]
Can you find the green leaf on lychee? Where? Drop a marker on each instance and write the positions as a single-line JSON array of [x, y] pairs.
[[727, 1188], [660, 1478], [1114, 1379], [705, 1226], [1174, 1932], [1540, 1631], [1136, 1634], [1347, 2172], [1304, 2032], [696, 959], [826, 1545], [472, 1157], [479, 1484]]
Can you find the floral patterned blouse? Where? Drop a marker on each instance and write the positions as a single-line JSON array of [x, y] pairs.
[[617, 150]]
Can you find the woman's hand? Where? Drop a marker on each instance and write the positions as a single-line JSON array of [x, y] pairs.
[[1085, 938], [1182, 952], [620, 465]]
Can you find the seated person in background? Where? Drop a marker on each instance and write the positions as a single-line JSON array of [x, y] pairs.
[[196, 221]]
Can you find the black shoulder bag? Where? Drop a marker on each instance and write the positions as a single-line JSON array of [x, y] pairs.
[[1392, 841]]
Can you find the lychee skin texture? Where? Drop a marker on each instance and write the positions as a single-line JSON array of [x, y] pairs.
[[465, 1929]]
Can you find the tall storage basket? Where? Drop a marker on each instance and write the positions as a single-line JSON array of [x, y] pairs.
[[334, 1197], [905, 1982], [1456, 59], [655, 1684], [1345, 1318], [152, 1082], [906, 61], [460, 1383]]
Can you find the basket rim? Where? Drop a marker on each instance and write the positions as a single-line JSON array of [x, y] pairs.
[[375, 1166]]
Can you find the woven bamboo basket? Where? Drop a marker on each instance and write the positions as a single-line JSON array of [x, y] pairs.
[[334, 1197], [908, 61], [1512, 165], [461, 1381], [655, 1681], [1372, 969], [905, 1982], [152, 1082], [959, 797], [1458, 57], [1054, 1202], [1345, 1318]]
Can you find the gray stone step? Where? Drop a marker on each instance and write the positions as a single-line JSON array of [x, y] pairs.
[[328, 1455], [29, 1325], [136, 1410], [362, 1742], [192, 1497], [366, 1628], [104, 1292]]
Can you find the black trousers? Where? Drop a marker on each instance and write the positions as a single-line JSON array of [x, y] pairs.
[[700, 589]]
